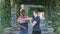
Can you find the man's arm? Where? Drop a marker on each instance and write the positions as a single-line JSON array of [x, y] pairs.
[[34, 23]]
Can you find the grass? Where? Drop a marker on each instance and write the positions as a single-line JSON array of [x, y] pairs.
[[1, 31]]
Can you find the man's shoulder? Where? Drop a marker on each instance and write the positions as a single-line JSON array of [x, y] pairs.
[[38, 16]]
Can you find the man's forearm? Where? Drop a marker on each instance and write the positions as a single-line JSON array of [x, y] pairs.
[[33, 24]]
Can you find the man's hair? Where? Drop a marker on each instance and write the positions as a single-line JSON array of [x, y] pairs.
[[36, 11]]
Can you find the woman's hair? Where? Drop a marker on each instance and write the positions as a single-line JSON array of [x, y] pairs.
[[23, 11]]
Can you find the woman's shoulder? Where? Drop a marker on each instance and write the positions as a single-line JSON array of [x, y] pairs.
[[19, 17]]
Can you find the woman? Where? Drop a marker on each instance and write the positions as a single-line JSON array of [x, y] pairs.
[[23, 24]]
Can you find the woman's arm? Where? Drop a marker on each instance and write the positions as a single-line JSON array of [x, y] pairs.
[[22, 26], [19, 20]]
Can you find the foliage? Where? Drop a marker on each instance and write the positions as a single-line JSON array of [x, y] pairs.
[[30, 11], [58, 16], [52, 12], [5, 13], [54, 16]]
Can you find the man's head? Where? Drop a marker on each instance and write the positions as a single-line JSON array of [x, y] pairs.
[[35, 12]]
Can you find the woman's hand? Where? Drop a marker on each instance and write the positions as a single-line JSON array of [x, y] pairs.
[[25, 28], [26, 19]]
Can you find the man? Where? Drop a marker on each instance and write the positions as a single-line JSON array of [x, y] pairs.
[[36, 23]]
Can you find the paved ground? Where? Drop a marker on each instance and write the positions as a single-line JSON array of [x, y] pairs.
[[44, 29]]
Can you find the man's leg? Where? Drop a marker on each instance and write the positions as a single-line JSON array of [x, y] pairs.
[[36, 32]]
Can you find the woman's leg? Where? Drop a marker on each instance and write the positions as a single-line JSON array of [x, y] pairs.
[[23, 31], [20, 31]]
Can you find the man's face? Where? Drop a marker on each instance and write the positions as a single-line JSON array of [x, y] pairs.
[[35, 14]]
